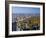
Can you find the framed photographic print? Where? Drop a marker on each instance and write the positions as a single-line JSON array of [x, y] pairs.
[[24, 18]]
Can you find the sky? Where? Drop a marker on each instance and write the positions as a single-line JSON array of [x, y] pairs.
[[18, 10]]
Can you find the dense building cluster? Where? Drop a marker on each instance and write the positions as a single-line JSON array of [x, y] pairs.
[[26, 23]]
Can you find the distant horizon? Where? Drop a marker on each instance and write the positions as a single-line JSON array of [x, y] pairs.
[[26, 14]]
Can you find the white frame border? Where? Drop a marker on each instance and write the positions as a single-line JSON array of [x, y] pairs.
[[25, 32]]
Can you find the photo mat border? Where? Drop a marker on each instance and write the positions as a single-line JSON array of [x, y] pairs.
[[25, 32], [7, 16]]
